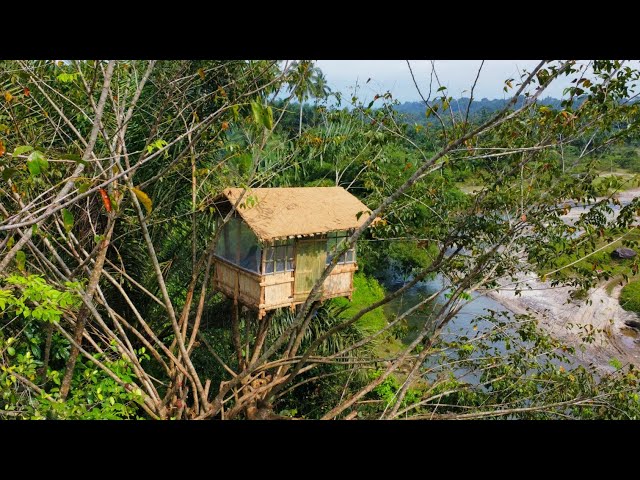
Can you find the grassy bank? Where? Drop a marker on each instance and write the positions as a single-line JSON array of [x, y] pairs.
[[367, 290], [601, 260], [630, 297]]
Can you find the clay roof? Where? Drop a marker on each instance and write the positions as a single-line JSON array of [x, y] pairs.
[[275, 213]]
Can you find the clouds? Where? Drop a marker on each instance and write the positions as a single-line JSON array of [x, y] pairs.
[[457, 75]]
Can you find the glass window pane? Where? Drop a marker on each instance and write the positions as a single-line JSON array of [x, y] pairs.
[[250, 259], [289, 265], [269, 267], [220, 246], [280, 265], [349, 256], [270, 254]]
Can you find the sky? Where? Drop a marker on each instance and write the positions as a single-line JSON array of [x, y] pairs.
[[456, 75]]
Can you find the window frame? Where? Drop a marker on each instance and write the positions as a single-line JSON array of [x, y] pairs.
[[334, 238], [279, 256]]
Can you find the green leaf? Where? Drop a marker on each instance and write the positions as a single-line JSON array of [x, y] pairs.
[[360, 213], [262, 115], [83, 187], [67, 219], [37, 163], [157, 145], [11, 351], [22, 149], [256, 110], [269, 118], [20, 260], [67, 77], [34, 168]]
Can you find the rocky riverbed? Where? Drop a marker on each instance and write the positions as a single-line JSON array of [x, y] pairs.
[[601, 317]]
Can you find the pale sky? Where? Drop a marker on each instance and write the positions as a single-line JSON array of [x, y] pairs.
[[457, 75]]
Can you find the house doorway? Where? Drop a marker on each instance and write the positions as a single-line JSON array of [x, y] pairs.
[[311, 258]]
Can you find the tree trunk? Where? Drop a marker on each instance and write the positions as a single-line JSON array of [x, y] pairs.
[[47, 353], [84, 313], [300, 124]]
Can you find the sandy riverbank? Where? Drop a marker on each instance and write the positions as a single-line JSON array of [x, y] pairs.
[[570, 320]]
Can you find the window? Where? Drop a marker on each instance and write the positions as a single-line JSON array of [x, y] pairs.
[[239, 245], [279, 257], [334, 239]]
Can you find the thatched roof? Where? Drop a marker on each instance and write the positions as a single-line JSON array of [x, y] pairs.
[[276, 213]]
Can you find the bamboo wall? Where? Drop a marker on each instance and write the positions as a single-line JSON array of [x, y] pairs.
[[237, 283], [340, 282], [268, 292], [278, 290]]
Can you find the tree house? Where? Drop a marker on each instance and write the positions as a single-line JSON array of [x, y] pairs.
[[277, 244]]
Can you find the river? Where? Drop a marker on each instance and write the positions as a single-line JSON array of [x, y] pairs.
[[467, 323], [463, 323]]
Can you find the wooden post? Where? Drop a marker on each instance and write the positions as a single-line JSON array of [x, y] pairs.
[[227, 252], [247, 336], [293, 273], [263, 255], [236, 289], [238, 233]]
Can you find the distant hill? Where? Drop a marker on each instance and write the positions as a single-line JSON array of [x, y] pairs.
[[416, 110]]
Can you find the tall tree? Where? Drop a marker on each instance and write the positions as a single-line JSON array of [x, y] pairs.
[[307, 81]]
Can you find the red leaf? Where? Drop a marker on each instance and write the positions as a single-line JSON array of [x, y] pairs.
[[106, 200]]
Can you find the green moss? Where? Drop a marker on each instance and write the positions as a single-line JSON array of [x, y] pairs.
[[630, 297], [367, 290]]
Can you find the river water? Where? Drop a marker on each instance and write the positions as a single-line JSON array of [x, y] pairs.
[[463, 323]]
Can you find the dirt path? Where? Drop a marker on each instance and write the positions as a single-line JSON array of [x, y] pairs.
[[571, 321]]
